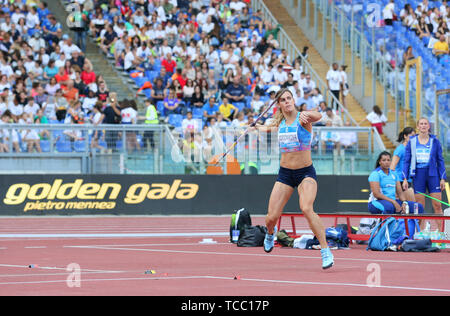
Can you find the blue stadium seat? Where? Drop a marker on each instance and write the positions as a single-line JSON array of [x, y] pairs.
[[45, 145], [175, 120], [79, 146], [197, 113], [63, 146]]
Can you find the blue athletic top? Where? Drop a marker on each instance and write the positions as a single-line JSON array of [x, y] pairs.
[[400, 153], [294, 137], [423, 154], [387, 182]]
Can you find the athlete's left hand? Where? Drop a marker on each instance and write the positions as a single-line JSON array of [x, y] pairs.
[[442, 185], [304, 117]]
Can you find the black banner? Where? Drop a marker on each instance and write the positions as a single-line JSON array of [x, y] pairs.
[[166, 195]]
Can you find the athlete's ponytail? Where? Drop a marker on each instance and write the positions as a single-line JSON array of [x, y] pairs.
[[406, 131]]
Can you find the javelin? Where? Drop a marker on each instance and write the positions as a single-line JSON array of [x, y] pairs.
[[246, 131], [434, 199]]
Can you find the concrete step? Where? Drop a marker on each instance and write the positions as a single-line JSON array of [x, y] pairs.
[[319, 63], [102, 66]]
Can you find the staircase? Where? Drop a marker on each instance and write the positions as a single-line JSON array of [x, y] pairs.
[[321, 66], [102, 66]]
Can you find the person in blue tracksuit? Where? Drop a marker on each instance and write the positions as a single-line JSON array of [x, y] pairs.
[[425, 164]]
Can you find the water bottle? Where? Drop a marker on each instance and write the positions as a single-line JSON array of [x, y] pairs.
[[416, 208], [406, 207]]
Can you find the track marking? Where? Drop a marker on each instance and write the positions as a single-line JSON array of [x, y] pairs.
[[57, 268], [292, 282], [115, 235], [254, 254]]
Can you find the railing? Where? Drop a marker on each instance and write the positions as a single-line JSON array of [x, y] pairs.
[[72, 148], [158, 149], [292, 50], [371, 45]]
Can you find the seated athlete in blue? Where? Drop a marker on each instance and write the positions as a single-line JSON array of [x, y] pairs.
[[296, 171], [387, 196]]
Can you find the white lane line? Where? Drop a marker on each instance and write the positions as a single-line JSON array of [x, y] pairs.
[[115, 235], [255, 254], [292, 282]]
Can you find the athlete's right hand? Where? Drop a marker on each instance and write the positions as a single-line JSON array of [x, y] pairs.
[[405, 185], [398, 208]]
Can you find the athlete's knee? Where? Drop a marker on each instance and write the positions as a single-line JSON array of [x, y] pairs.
[[308, 211], [271, 219]]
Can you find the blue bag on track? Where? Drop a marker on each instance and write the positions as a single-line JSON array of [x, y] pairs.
[[386, 234]]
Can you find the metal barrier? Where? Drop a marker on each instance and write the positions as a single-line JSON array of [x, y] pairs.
[[159, 149], [292, 50], [379, 50]]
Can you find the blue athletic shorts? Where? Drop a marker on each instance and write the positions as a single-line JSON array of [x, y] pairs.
[[386, 207], [293, 177], [422, 181]]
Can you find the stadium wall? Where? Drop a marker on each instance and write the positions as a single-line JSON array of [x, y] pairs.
[[25, 195]]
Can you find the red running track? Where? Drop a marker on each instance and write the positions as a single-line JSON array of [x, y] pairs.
[[112, 264]]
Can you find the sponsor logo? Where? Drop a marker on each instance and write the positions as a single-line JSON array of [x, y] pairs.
[[79, 195]]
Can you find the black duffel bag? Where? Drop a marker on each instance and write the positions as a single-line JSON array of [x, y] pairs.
[[252, 236]]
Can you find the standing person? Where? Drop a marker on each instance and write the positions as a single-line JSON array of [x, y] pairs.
[[398, 158], [389, 13], [344, 84], [376, 119], [334, 80], [296, 170], [425, 164]]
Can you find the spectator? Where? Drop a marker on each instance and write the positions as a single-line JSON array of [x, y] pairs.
[[330, 139], [70, 92], [169, 64], [210, 109], [52, 86], [239, 121], [376, 118], [235, 92], [108, 38], [157, 93], [344, 84], [197, 100], [9, 136], [188, 91], [112, 115], [97, 119], [348, 140], [256, 104], [190, 125], [389, 12], [440, 48], [280, 76], [334, 81], [102, 92], [88, 75], [50, 70], [171, 105], [331, 117], [228, 110]]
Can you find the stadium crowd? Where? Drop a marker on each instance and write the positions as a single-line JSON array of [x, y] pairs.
[[205, 61]]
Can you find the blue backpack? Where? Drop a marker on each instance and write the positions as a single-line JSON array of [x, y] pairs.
[[387, 233]]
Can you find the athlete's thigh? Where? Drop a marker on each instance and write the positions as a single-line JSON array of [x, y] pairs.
[[279, 197], [307, 192]]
